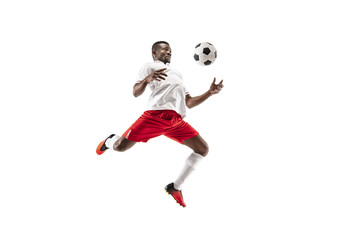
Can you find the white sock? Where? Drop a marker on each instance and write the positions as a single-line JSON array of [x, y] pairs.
[[109, 143], [191, 162]]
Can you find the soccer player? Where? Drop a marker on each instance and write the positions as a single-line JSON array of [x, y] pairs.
[[166, 110]]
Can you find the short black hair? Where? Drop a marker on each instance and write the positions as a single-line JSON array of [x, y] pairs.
[[156, 44]]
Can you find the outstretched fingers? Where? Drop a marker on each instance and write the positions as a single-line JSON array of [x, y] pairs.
[[216, 88], [159, 75], [220, 83]]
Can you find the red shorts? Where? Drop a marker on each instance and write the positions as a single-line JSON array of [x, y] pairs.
[[154, 123]]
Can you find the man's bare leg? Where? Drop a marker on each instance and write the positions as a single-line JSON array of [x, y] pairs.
[[123, 144]]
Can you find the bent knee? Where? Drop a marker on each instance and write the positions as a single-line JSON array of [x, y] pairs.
[[203, 150]]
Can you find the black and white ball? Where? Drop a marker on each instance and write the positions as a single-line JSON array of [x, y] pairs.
[[205, 54]]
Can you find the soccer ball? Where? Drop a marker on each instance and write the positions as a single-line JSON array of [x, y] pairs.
[[205, 54]]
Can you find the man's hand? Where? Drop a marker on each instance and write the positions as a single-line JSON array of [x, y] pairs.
[[216, 88], [194, 101], [158, 75]]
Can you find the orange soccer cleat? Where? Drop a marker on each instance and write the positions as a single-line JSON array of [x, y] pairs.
[[177, 195], [102, 147]]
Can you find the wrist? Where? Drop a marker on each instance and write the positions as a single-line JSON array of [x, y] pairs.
[[145, 81]]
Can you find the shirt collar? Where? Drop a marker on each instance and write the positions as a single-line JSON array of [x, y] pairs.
[[157, 61]]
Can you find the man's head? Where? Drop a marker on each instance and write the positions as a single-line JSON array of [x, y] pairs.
[[161, 51]]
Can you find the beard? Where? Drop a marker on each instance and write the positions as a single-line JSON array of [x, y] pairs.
[[165, 59]]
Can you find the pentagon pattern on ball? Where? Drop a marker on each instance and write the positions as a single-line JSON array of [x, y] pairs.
[[205, 54], [206, 51], [196, 57]]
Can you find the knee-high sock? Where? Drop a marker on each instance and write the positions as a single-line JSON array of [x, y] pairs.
[[109, 143], [191, 162]]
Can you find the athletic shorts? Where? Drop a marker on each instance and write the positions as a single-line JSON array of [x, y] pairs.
[[154, 123]]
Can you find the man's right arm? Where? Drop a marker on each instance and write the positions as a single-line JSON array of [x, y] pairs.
[[140, 87]]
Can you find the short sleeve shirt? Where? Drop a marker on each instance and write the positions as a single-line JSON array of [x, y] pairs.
[[168, 94]]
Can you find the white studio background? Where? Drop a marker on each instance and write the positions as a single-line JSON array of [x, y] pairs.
[[283, 134]]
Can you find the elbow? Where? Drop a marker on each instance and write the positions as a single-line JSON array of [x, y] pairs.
[[189, 105], [136, 93]]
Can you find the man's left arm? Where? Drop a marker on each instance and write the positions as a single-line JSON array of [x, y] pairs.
[[214, 89]]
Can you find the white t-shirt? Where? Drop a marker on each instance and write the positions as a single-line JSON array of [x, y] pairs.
[[168, 94]]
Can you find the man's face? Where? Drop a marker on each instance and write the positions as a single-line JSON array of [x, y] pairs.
[[162, 53]]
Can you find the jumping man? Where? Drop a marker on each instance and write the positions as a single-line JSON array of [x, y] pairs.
[[164, 116]]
